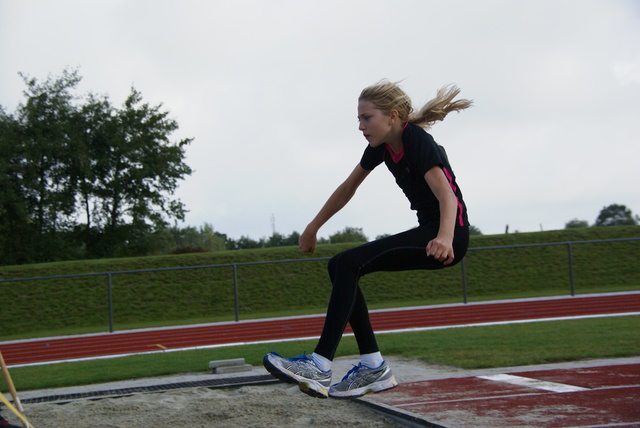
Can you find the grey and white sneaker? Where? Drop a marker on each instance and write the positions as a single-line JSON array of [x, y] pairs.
[[361, 380], [300, 370]]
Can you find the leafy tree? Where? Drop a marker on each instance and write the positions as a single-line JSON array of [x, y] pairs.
[[212, 240], [473, 230], [83, 178], [205, 238], [245, 243], [38, 195], [16, 231], [187, 236], [136, 167], [576, 224], [616, 215], [48, 149], [292, 239], [279, 240], [94, 125], [349, 234], [275, 240]]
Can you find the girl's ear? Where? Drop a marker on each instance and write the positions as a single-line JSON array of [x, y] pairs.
[[393, 116]]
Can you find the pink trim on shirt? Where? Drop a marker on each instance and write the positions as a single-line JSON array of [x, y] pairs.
[[453, 187], [395, 157]]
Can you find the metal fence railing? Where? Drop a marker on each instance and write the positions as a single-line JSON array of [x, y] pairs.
[[235, 266], [569, 245]]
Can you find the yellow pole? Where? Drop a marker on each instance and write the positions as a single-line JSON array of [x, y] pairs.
[[16, 411], [14, 393]]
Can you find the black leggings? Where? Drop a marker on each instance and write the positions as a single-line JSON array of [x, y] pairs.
[[404, 251]]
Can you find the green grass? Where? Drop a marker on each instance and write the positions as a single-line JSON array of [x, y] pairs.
[[79, 305], [470, 347]]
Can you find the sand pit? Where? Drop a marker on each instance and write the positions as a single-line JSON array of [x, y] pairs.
[[254, 405], [271, 405], [262, 404]]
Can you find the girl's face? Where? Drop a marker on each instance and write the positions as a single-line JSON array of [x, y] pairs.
[[374, 123]]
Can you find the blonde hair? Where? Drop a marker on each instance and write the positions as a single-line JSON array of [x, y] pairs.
[[388, 96]]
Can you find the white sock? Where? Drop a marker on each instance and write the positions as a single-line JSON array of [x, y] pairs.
[[321, 362], [372, 361]]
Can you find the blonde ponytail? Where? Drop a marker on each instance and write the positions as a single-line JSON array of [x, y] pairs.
[[439, 107], [387, 96]]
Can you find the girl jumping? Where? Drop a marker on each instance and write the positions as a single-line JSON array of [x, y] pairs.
[[422, 170]]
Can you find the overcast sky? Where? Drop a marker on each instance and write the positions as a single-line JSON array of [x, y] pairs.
[[268, 90]]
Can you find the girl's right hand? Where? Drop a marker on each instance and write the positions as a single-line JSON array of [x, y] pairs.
[[307, 241], [338, 199]]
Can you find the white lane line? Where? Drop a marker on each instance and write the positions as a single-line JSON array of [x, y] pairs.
[[533, 383]]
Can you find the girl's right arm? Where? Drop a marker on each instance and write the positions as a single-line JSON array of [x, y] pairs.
[[343, 194]]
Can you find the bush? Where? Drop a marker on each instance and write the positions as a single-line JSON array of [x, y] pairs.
[[187, 249]]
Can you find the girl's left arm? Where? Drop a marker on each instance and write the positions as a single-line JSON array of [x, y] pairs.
[[441, 248]]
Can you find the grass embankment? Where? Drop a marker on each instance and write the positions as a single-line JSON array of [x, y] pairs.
[[80, 305]]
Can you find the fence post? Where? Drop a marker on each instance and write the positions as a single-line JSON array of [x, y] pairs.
[[110, 302], [464, 282], [570, 254], [235, 292]]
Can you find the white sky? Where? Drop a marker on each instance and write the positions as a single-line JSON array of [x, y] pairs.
[[269, 90]]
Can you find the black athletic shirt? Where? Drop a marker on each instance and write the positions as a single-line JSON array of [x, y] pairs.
[[420, 153]]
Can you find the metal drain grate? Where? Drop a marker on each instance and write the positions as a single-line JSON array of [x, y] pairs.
[[121, 392]]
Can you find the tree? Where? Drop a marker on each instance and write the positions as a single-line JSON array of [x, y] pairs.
[[204, 238], [473, 230], [275, 240], [48, 149], [279, 240], [82, 178], [135, 167], [16, 231], [349, 234], [245, 243], [212, 240], [38, 150], [576, 224], [292, 239], [616, 215]]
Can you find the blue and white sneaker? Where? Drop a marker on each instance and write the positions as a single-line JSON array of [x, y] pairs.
[[300, 370], [361, 380]]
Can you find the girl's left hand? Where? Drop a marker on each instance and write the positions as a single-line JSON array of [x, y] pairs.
[[441, 249]]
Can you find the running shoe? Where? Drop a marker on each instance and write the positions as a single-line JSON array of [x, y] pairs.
[[361, 380], [300, 370]]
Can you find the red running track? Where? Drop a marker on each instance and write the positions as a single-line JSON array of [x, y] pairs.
[[604, 396], [140, 341]]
